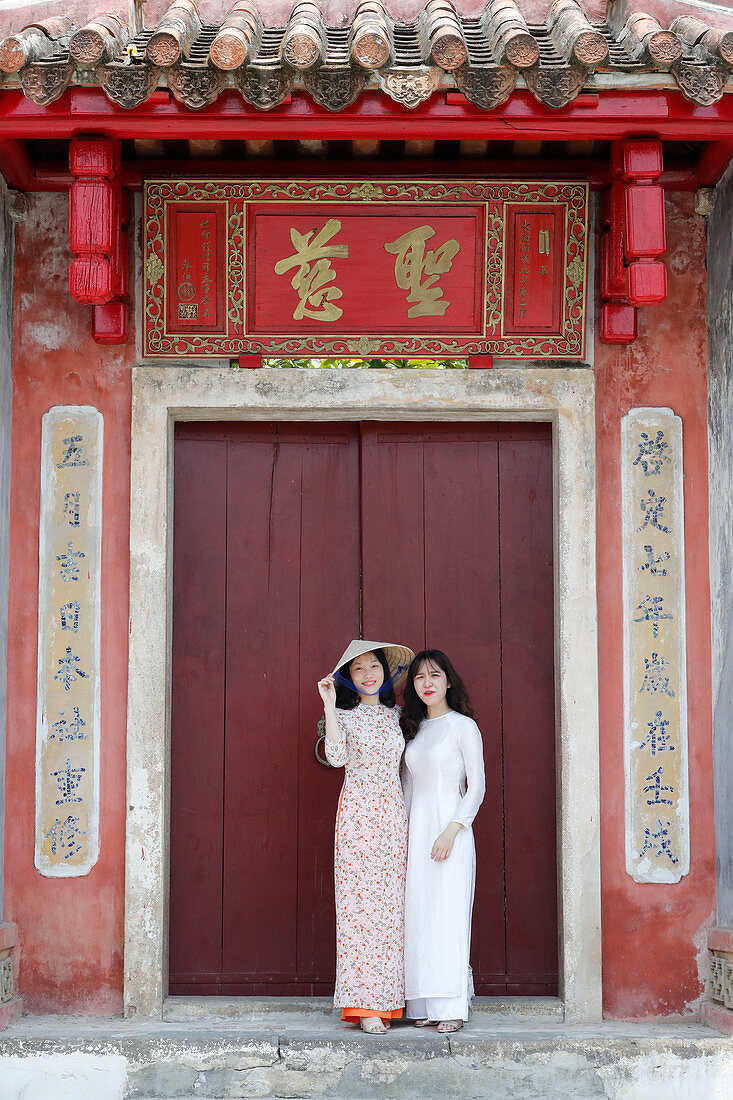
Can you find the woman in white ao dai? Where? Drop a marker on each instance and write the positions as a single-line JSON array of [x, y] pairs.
[[443, 779]]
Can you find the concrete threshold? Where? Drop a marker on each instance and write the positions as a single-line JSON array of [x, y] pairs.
[[312, 1054], [179, 1009]]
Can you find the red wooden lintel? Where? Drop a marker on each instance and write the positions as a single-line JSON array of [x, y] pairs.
[[98, 236], [249, 362], [632, 273], [480, 362]]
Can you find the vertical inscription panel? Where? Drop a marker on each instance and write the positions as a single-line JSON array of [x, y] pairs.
[[655, 678], [68, 705]]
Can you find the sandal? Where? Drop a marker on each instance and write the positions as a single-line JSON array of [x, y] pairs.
[[450, 1025], [373, 1025], [424, 1023]]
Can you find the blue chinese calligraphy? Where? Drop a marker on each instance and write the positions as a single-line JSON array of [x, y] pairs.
[[658, 735], [65, 836], [68, 567], [654, 564], [651, 612], [69, 615], [68, 731], [651, 454], [659, 842], [68, 671], [657, 788], [72, 509], [67, 780], [73, 454], [653, 509], [655, 679]]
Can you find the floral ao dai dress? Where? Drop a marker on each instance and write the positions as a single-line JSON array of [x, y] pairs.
[[370, 862], [443, 777]]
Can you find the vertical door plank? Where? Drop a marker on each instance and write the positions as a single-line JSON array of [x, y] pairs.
[[197, 715], [261, 784], [329, 619], [529, 715], [393, 546], [462, 615]]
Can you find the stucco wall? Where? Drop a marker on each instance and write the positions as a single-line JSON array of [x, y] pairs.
[[6, 400], [654, 935], [720, 419], [70, 930]]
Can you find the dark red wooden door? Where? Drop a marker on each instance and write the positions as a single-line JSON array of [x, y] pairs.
[[289, 539]]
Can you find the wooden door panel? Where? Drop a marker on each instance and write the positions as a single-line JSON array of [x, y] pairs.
[[437, 534], [527, 630], [261, 765], [329, 616], [294, 572], [393, 546], [462, 611], [197, 716]]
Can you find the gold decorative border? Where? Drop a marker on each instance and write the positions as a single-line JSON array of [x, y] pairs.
[[159, 344]]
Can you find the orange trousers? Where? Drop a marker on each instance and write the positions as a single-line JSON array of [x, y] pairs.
[[356, 1013]]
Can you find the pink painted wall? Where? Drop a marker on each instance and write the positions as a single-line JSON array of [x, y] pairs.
[[70, 929], [653, 935]]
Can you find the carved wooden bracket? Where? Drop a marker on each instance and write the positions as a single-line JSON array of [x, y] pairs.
[[634, 238], [98, 237]]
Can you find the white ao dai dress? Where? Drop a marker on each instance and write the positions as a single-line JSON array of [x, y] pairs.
[[443, 778]]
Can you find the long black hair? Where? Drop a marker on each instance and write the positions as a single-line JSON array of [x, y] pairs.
[[413, 708], [347, 698]]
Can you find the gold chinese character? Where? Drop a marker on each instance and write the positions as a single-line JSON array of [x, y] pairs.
[[314, 271], [414, 262], [543, 242]]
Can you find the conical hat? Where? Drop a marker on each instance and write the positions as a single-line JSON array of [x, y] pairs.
[[398, 657]]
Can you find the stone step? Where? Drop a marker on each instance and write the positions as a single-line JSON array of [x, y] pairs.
[[182, 1009], [307, 1055]]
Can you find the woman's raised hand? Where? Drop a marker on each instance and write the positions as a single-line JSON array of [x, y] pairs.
[[327, 690]]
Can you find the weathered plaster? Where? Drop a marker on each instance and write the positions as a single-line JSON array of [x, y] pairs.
[[7, 240], [650, 964], [70, 930], [720, 418], [162, 395]]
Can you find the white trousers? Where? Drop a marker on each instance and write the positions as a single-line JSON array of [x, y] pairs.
[[437, 1008]]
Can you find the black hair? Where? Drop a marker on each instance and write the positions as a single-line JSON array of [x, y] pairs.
[[347, 698], [413, 708]]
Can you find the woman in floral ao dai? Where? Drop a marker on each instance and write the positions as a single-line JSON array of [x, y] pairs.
[[363, 736]]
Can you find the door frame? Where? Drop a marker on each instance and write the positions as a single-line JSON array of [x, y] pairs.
[[563, 396]]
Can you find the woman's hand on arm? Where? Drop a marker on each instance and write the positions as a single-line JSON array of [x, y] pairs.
[[327, 692], [444, 844]]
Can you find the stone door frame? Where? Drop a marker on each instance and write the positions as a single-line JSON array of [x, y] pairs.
[[164, 394]]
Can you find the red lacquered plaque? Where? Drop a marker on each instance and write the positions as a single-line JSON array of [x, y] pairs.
[[401, 268], [196, 284]]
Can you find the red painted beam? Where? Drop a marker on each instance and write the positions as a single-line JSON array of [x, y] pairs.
[[616, 115], [19, 172], [598, 172], [712, 163]]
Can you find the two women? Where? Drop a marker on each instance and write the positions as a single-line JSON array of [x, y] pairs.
[[443, 780]]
